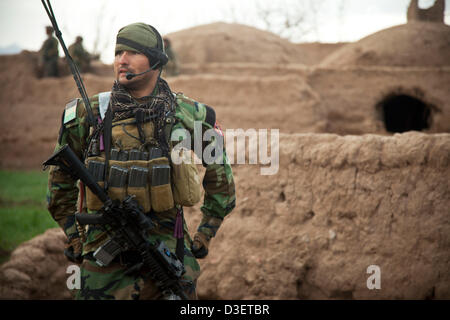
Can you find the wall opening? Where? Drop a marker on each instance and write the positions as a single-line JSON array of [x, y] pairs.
[[401, 113]]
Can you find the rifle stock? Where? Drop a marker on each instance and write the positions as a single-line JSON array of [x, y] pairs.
[[68, 162], [90, 218]]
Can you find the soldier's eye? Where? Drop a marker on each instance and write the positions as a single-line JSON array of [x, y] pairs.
[[118, 53]]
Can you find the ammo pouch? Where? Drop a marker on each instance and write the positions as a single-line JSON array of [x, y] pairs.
[[95, 166], [138, 183], [148, 180], [117, 180], [186, 181], [160, 189]]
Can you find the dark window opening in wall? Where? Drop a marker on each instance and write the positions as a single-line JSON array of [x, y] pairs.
[[403, 113]]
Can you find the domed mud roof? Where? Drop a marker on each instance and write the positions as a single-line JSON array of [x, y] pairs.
[[417, 43], [225, 42]]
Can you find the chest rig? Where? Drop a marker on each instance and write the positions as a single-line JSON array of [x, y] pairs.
[[132, 157]]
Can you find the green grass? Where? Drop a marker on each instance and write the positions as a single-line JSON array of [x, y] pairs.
[[23, 212]]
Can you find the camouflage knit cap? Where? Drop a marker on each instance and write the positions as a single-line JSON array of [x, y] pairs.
[[138, 32]]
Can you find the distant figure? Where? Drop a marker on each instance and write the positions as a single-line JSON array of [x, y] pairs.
[[80, 56], [171, 69], [48, 55]]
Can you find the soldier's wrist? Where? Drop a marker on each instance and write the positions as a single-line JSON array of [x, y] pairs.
[[71, 234], [70, 228], [200, 245], [209, 226], [202, 237]]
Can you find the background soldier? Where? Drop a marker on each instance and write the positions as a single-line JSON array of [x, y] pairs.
[[48, 55], [171, 69], [80, 56], [143, 113]]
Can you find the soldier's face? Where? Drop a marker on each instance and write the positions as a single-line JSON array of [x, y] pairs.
[[130, 61]]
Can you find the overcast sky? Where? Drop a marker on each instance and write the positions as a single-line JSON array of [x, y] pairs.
[[22, 22]]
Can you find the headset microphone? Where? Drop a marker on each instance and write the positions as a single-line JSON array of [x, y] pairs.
[[130, 75]]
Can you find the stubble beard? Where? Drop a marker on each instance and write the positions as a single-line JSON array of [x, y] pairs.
[[136, 83]]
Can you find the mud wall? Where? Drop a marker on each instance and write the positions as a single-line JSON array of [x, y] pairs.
[[433, 14], [315, 100], [349, 96], [36, 269], [336, 206]]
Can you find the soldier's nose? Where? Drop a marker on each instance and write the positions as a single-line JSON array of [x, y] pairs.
[[123, 58]]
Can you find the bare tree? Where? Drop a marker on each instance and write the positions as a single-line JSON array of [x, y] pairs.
[[232, 13], [238, 13], [294, 20], [341, 17], [103, 32]]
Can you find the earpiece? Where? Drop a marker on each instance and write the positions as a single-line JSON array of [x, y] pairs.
[[158, 53], [156, 56]]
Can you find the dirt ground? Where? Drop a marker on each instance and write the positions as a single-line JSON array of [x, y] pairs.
[[348, 194]]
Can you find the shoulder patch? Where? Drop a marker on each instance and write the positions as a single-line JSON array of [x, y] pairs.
[[103, 101], [189, 111], [70, 111]]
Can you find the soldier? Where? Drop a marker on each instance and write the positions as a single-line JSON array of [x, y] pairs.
[[171, 68], [143, 112], [48, 55], [80, 56]]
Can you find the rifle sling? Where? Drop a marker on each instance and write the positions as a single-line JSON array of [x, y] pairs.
[[107, 133]]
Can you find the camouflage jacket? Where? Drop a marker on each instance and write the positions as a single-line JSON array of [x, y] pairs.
[[79, 55], [62, 193], [49, 49]]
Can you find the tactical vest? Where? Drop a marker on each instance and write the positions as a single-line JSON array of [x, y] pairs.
[[141, 169]]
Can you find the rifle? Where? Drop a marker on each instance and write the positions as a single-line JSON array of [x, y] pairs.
[[73, 67], [127, 227]]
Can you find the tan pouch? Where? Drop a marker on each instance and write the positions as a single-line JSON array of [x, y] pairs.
[[92, 201], [123, 132], [161, 198], [138, 183], [142, 196], [117, 193], [160, 189], [186, 181], [117, 181]]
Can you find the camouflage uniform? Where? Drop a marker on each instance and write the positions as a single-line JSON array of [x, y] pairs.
[[109, 282], [80, 56], [49, 57]]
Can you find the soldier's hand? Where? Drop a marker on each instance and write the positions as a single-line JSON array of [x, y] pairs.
[[200, 245], [72, 250]]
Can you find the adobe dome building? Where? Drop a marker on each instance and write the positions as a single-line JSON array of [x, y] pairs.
[[399, 77], [415, 44], [393, 81], [232, 42]]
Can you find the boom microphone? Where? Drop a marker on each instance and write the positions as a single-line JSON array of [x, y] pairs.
[[130, 75]]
